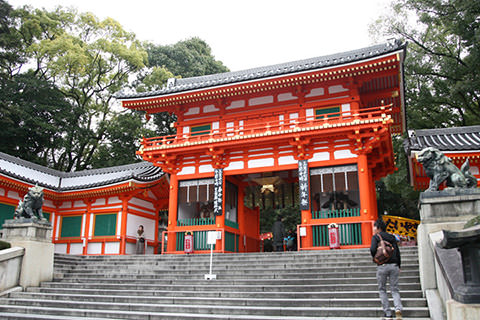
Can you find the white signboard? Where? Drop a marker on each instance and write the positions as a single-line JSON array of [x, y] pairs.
[[213, 236]]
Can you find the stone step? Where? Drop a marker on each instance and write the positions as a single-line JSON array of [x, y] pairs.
[[325, 302], [223, 281], [233, 266], [214, 286], [241, 274], [344, 294], [41, 314], [227, 310], [328, 284], [230, 258]]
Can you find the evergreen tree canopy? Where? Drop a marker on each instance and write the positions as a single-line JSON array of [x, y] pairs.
[[441, 69]]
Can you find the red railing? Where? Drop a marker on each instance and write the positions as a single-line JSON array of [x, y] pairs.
[[265, 125]]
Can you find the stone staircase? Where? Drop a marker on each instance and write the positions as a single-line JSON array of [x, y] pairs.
[[336, 284]]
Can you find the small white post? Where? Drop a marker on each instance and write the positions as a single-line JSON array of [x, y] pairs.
[[211, 240]]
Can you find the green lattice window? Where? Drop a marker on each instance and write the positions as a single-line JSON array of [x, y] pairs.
[[105, 224], [329, 112], [200, 130], [71, 226]]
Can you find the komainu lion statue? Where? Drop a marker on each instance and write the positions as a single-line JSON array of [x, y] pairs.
[[439, 168], [31, 206]]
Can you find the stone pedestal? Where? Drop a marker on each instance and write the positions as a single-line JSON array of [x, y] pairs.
[[442, 210], [36, 238]]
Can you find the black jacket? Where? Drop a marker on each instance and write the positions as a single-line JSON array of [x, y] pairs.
[[390, 238]]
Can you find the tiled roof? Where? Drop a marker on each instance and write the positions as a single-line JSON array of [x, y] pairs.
[[207, 81], [446, 139], [65, 181]]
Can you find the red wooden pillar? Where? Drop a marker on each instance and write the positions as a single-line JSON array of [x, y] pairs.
[[172, 212], [367, 207], [123, 228], [241, 218], [86, 233]]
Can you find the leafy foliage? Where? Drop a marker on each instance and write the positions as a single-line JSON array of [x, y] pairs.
[[34, 115], [86, 60], [190, 58], [441, 68], [395, 195]]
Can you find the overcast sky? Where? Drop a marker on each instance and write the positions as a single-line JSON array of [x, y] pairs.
[[242, 34]]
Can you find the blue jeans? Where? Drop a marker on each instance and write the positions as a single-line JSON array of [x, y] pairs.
[[384, 272]]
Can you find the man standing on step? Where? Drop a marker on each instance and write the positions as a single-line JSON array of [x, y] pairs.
[[389, 270]]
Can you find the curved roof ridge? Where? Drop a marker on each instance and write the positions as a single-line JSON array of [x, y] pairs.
[[184, 84], [64, 181]]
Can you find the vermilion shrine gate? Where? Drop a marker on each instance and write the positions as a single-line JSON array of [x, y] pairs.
[[314, 133]]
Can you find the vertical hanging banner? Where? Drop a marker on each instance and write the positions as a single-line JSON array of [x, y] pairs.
[[218, 192], [303, 187]]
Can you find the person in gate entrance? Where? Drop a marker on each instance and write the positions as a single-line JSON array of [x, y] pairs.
[[389, 270], [140, 247], [278, 231]]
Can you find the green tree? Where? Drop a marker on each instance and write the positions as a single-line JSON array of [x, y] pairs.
[[189, 58], [10, 41], [33, 117], [88, 60], [443, 58], [395, 195], [122, 139]]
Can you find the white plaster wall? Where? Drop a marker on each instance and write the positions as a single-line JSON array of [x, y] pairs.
[[2, 192], [57, 229], [84, 219], [79, 204], [260, 100], [76, 248], [320, 156], [343, 154], [119, 222], [132, 208], [134, 221], [210, 108], [286, 160], [13, 194], [215, 126], [187, 170], [114, 200], [60, 248], [94, 248], [90, 232], [315, 92], [191, 111], [346, 109], [336, 89], [48, 203], [260, 163], [286, 96], [99, 202], [142, 203], [130, 248], [235, 165], [205, 168], [310, 114], [236, 104], [112, 247], [66, 204]]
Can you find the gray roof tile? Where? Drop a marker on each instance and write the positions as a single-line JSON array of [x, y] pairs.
[[65, 181], [269, 71], [445, 139]]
